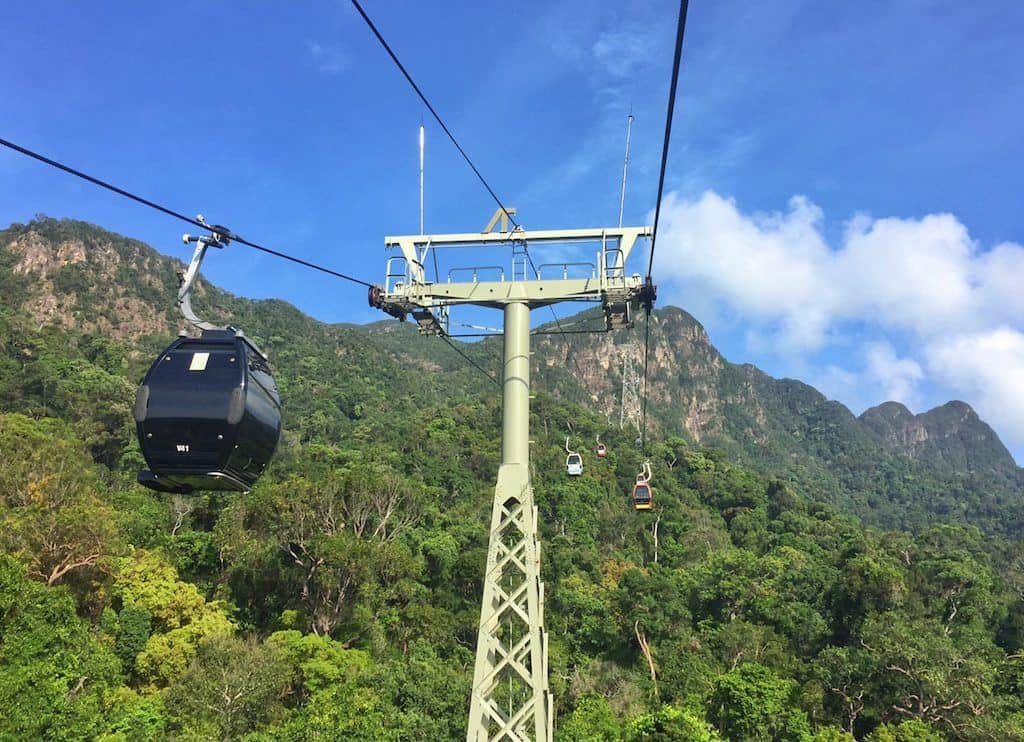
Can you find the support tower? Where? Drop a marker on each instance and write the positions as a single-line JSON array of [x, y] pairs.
[[510, 698], [631, 388]]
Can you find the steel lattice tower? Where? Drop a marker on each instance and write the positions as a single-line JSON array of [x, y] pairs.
[[631, 385]]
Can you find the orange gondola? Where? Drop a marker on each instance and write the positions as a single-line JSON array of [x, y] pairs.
[[643, 495]]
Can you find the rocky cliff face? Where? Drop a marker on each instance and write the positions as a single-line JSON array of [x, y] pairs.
[[84, 277]]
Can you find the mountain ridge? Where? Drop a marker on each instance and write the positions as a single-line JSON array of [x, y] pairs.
[[869, 465]]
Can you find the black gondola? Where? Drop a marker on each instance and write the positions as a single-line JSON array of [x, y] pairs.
[[208, 415]]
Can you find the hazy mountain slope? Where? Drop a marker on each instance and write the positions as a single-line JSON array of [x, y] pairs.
[[786, 428]]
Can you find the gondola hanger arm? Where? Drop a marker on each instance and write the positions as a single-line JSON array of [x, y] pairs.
[[219, 237]]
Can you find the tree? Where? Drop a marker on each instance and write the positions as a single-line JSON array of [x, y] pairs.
[[132, 634], [669, 723], [926, 674], [56, 674], [906, 731], [54, 520], [231, 686], [591, 721], [846, 675], [181, 618], [134, 717], [753, 703], [337, 535]]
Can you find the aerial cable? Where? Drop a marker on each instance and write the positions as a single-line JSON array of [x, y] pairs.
[[643, 409], [680, 32], [594, 331], [476, 365], [101, 183], [434, 113], [437, 117], [676, 62], [177, 215]]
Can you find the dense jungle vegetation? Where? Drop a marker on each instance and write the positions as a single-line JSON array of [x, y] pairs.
[[339, 598]]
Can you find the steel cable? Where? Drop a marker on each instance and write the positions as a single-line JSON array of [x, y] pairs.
[[175, 214]]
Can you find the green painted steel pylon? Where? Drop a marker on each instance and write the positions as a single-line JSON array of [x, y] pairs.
[[511, 700]]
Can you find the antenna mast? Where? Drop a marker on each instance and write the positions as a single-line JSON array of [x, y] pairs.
[[421, 179], [625, 167]]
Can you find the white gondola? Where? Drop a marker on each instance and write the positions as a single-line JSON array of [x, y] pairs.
[[573, 461]]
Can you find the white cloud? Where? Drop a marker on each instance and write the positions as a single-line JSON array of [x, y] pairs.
[[328, 58], [924, 276], [999, 275], [906, 273], [883, 375], [836, 382], [767, 267], [989, 367], [955, 310], [897, 377], [621, 51]]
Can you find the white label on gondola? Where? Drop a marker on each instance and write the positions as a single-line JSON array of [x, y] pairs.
[[199, 361]]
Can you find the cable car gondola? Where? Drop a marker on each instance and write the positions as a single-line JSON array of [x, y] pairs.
[[601, 450], [643, 495], [573, 461], [208, 412]]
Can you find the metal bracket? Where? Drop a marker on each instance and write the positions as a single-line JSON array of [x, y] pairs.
[[375, 296], [647, 295], [220, 239], [502, 215]]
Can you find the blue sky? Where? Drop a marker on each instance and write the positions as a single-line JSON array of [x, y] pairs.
[[845, 176]]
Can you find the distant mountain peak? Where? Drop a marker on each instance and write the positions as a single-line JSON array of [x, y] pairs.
[[951, 434], [889, 410]]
